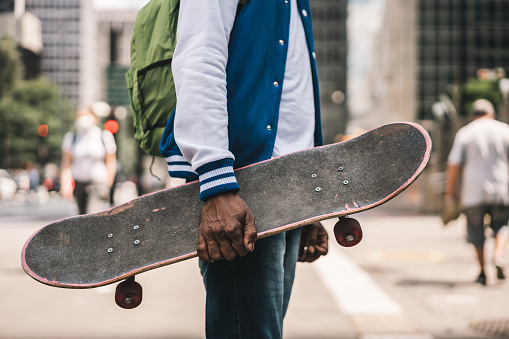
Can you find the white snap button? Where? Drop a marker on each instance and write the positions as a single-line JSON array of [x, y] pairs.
[[304, 12], [269, 127], [276, 83]]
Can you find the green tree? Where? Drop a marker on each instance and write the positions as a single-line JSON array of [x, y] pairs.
[[32, 104], [480, 89], [24, 106], [11, 67]]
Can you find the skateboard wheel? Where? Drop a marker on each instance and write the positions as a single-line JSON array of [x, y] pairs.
[[128, 294], [348, 232]]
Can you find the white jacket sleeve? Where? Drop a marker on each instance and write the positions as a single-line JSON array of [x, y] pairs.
[[199, 71]]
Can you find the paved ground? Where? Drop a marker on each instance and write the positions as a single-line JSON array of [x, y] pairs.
[[409, 278]]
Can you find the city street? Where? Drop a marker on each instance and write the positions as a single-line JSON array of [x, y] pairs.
[[88, 101], [409, 278]]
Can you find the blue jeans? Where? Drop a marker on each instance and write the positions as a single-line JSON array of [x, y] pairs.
[[248, 296]]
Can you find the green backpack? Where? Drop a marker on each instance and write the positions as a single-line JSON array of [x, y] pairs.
[[150, 80]]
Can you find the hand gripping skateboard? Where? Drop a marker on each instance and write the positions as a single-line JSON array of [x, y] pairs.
[[283, 193]]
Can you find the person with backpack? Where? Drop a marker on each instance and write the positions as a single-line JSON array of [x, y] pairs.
[[219, 85], [246, 88], [88, 163]]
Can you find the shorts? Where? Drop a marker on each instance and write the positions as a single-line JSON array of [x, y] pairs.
[[475, 222]]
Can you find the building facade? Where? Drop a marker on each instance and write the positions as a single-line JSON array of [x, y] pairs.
[[432, 47], [329, 25], [456, 38], [114, 36], [25, 28], [69, 37]]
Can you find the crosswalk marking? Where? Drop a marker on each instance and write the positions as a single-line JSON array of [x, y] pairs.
[[353, 289], [373, 313]]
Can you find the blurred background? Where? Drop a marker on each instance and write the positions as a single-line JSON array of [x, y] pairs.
[[379, 61]]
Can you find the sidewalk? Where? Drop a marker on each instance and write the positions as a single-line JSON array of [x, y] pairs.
[[429, 271], [408, 278]]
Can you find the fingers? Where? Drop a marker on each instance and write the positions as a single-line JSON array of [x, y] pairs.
[[310, 253], [309, 256], [322, 242], [202, 249], [218, 244], [314, 243], [307, 242], [231, 242], [249, 233], [314, 253], [227, 229]]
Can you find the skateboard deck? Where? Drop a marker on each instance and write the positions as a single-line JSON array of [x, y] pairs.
[[283, 193]]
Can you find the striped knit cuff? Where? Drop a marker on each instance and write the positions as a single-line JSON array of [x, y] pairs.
[[217, 177], [178, 167]]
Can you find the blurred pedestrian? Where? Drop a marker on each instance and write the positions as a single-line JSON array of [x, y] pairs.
[[33, 180], [33, 177], [479, 156], [88, 162]]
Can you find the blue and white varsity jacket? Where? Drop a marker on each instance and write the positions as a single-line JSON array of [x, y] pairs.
[[249, 73]]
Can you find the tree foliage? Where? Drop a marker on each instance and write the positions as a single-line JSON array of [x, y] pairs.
[[480, 89], [11, 67], [24, 106]]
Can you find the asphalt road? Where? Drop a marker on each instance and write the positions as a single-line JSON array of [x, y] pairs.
[[408, 278]]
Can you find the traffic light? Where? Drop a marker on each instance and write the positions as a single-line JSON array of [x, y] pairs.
[[111, 125], [43, 130]]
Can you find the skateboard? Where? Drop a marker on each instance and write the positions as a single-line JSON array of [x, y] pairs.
[[283, 193]]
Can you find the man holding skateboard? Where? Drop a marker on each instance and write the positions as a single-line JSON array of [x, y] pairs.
[[247, 90]]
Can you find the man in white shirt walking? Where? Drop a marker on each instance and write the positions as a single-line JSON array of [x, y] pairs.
[[481, 152]]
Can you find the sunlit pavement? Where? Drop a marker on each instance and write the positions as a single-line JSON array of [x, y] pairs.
[[409, 278]]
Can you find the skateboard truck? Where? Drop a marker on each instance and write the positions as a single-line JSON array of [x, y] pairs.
[[348, 232], [128, 294]]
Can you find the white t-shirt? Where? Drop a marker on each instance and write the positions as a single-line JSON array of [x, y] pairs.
[[482, 149], [296, 122], [88, 153]]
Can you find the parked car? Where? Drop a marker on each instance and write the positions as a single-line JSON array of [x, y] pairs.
[[8, 186]]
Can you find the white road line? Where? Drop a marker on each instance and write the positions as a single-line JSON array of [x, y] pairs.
[[353, 289], [374, 313]]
